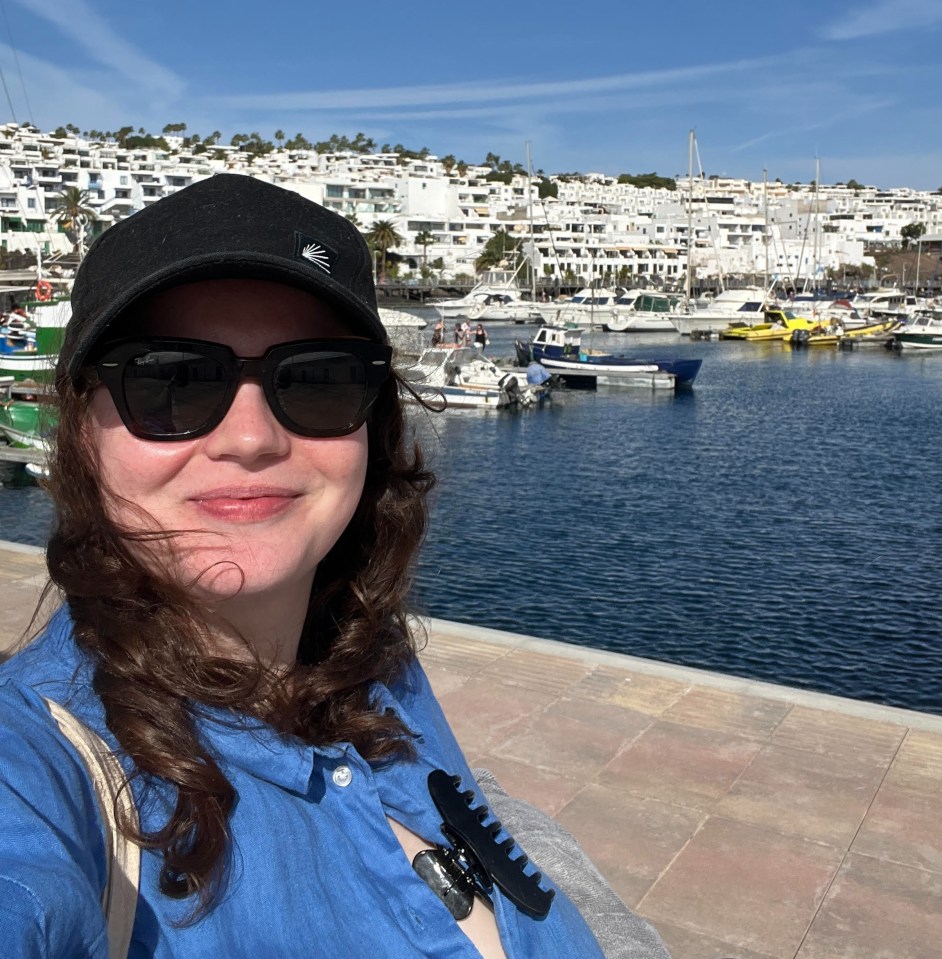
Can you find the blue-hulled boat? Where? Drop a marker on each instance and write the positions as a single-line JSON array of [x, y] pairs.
[[559, 349]]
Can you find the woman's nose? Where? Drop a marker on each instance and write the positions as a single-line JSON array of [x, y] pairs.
[[249, 429]]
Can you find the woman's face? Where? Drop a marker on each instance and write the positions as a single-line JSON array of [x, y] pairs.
[[266, 504]]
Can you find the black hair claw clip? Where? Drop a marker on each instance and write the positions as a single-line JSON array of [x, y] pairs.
[[477, 861]]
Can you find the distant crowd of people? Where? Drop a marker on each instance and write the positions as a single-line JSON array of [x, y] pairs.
[[463, 334]]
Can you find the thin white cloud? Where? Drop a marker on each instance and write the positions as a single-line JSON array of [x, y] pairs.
[[836, 119], [81, 25], [885, 16], [489, 92]]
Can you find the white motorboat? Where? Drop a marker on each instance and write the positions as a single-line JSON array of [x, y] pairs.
[[922, 332], [588, 307], [463, 377], [887, 303], [496, 296], [641, 311], [401, 318], [743, 307]]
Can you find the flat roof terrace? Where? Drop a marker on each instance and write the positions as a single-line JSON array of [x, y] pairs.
[[743, 819]]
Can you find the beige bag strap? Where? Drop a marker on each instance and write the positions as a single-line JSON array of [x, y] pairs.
[[123, 857]]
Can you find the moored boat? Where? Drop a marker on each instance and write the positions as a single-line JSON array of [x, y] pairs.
[[463, 377], [780, 325], [26, 413], [922, 332], [495, 297], [641, 311], [38, 362], [744, 306], [590, 306], [560, 350]]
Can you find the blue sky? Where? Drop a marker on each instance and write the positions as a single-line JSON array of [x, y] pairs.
[[611, 86]]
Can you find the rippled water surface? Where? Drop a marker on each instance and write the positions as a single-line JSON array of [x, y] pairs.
[[782, 521]]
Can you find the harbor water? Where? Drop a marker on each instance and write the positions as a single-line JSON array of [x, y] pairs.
[[782, 520]]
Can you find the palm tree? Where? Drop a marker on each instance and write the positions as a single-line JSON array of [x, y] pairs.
[[383, 237], [499, 248], [73, 213], [423, 238]]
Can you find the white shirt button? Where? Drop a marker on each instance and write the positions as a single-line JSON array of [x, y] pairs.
[[343, 776]]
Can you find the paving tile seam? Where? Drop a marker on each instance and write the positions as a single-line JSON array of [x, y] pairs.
[[889, 860], [850, 845], [701, 825], [841, 848]]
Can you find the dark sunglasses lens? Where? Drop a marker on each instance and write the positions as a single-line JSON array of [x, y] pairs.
[[321, 391], [173, 392]]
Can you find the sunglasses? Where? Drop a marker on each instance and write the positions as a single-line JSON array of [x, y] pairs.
[[176, 389]]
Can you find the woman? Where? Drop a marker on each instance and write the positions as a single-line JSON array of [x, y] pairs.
[[237, 509]]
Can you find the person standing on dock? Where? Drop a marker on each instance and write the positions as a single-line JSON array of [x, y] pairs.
[[480, 337]]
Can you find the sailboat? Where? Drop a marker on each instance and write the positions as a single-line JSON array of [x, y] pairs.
[[743, 306]]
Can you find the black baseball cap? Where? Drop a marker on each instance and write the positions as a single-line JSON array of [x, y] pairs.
[[226, 227]]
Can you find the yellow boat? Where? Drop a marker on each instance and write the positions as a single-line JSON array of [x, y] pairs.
[[834, 336], [781, 325]]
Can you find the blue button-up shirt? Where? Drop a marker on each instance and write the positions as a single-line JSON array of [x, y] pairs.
[[315, 869]]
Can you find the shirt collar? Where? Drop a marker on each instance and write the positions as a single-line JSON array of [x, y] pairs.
[[255, 747]]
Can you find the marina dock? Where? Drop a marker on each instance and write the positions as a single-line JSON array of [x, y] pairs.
[[744, 819]]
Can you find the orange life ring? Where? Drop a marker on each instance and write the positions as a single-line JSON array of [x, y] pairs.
[[43, 291]]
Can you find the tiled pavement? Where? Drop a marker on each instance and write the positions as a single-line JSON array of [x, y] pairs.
[[743, 819]]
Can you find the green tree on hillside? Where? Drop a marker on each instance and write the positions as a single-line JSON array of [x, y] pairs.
[[423, 239], [383, 237], [73, 214], [912, 231], [500, 248]]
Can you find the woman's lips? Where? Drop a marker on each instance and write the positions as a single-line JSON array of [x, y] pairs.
[[245, 504]]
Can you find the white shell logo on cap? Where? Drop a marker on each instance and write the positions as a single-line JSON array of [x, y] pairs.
[[317, 255]]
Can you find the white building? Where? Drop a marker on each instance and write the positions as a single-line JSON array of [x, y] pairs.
[[595, 229]]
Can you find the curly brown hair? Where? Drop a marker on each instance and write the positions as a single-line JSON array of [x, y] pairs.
[[153, 667]]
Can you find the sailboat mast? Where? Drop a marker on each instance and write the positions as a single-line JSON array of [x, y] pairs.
[[817, 227], [689, 217], [765, 206], [532, 249]]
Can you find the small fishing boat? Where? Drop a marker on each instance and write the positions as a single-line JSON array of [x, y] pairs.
[[37, 360], [26, 413], [464, 378], [560, 350]]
